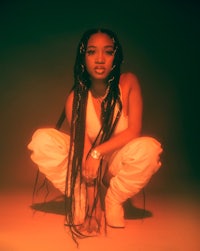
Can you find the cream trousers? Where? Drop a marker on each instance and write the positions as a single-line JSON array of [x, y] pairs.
[[134, 163]]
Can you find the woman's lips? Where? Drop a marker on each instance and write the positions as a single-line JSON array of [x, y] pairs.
[[99, 70]]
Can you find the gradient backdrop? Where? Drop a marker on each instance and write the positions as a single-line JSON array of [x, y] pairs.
[[161, 46]]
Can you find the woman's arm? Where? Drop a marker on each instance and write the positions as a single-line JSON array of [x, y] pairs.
[[133, 106]]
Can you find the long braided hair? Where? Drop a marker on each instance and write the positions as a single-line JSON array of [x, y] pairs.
[[109, 118]]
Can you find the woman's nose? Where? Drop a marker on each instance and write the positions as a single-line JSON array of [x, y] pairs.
[[100, 58]]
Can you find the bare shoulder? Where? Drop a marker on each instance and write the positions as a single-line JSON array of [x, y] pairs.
[[130, 92], [129, 81], [68, 107], [69, 99]]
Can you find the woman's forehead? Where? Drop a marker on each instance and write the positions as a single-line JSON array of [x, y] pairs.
[[100, 39]]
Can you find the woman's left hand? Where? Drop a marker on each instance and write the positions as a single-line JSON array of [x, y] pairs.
[[90, 168]]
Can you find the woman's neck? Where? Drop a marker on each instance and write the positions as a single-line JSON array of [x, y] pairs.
[[98, 88]]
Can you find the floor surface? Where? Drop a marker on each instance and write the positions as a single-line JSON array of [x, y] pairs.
[[172, 224]]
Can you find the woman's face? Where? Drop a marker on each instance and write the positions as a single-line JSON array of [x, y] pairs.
[[99, 56]]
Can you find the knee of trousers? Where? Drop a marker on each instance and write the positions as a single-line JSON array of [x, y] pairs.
[[50, 152], [49, 139], [137, 161], [141, 154], [49, 146]]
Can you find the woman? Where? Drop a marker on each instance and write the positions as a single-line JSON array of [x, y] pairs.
[[105, 160]]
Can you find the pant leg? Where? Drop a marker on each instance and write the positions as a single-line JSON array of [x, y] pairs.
[[134, 165], [49, 151], [132, 168]]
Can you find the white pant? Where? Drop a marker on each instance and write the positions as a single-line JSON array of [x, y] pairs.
[[137, 161], [132, 166]]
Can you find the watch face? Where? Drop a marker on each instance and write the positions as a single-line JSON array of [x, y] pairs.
[[95, 154]]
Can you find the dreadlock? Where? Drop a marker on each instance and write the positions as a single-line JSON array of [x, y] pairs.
[[109, 118]]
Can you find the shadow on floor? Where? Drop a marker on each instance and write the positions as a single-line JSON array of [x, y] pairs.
[[132, 212], [57, 206]]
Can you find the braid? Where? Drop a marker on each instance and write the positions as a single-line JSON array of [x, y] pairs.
[[113, 98], [109, 119]]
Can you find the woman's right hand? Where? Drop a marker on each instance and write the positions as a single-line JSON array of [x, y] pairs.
[[92, 222], [91, 225]]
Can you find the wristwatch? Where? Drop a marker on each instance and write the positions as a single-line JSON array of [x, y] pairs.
[[95, 154]]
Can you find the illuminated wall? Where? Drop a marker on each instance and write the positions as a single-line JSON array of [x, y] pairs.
[[38, 43]]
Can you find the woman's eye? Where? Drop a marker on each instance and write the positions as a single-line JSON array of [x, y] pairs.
[[110, 52], [90, 52]]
